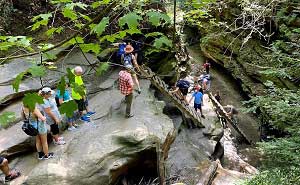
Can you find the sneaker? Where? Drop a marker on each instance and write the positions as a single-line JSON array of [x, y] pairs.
[[90, 113], [49, 156], [72, 128], [59, 142], [84, 118], [41, 155], [13, 175], [129, 115], [202, 116], [61, 138]]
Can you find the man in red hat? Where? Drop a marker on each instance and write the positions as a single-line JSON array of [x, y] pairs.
[[129, 59]]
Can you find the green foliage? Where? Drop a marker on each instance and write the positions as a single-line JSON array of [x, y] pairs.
[[68, 108], [43, 20], [31, 99], [99, 3], [99, 28], [62, 85], [6, 118], [53, 30], [155, 17], [74, 41], [95, 48], [131, 19], [37, 71], [71, 76], [282, 106], [17, 81], [10, 41], [69, 13], [160, 42], [102, 68]]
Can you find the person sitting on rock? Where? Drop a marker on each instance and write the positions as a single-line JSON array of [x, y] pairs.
[[182, 89], [9, 174], [128, 59], [126, 86], [198, 99], [53, 117], [81, 101], [38, 121]]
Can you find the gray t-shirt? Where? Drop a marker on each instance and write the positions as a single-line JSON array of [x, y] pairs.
[[52, 104]]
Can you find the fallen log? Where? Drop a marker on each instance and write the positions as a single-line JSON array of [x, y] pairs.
[[208, 176]]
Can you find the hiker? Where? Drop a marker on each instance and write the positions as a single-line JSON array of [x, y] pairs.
[[206, 66], [128, 59], [38, 121], [126, 86], [9, 174], [53, 117], [204, 80], [198, 99], [81, 101], [182, 87], [231, 111], [217, 96], [60, 99]]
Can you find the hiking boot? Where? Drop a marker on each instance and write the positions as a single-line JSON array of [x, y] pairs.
[[13, 175], [202, 116], [41, 155], [90, 113], [129, 115], [49, 156], [59, 142]]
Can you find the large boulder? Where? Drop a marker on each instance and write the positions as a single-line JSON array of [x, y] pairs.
[[110, 146]]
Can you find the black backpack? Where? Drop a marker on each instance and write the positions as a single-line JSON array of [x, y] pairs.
[[127, 59], [28, 128], [183, 84]]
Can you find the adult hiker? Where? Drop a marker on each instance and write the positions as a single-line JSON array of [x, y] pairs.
[[217, 96], [137, 44], [126, 86], [53, 117], [205, 81], [38, 121], [206, 66], [65, 97], [182, 89], [128, 59], [231, 111], [81, 100], [198, 99], [9, 174]]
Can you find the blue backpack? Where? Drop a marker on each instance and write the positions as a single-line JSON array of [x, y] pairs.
[[183, 84], [121, 50], [127, 59]]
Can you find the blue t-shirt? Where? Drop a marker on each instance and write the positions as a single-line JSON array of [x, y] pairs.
[[50, 103], [198, 97], [66, 96]]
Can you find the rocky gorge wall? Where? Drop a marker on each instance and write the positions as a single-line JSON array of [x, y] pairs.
[[243, 56]]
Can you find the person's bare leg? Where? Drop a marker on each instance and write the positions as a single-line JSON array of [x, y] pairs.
[[44, 143], [38, 143], [136, 81], [4, 167]]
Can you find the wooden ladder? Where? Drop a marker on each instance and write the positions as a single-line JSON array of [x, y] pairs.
[[223, 113], [163, 87]]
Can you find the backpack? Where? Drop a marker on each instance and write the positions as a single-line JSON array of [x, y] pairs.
[[28, 128], [127, 59], [121, 50], [183, 84]]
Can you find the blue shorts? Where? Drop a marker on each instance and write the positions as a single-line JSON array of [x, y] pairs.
[[197, 106], [42, 127]]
